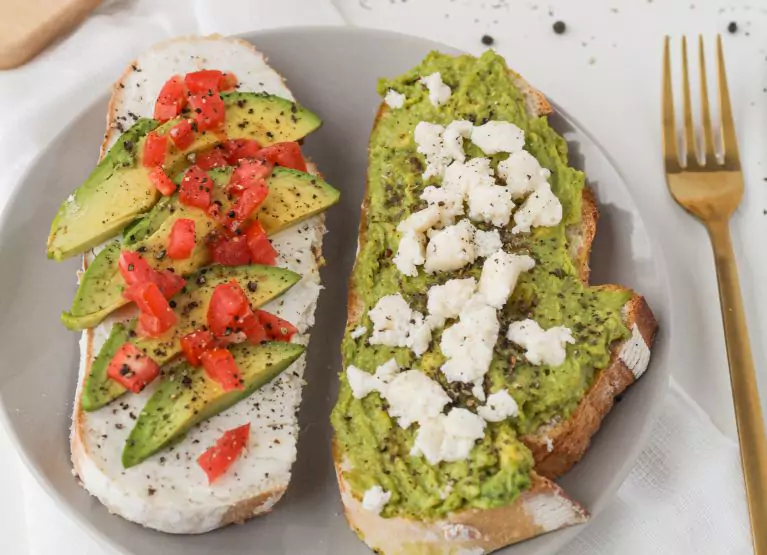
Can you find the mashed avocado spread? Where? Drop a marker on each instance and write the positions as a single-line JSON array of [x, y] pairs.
[[498, 468]]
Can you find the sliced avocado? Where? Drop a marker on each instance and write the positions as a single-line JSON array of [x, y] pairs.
[[119, 188], [260, 283], [97, 385], [187, 397], [293, 197]]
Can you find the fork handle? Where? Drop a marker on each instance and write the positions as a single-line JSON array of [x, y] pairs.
[[748, 412]]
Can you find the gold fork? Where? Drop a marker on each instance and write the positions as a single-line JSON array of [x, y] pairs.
[[711, 190]]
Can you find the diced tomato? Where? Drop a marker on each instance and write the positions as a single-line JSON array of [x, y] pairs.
[[171, 100], [237, 149], [132, 368], [209, 110], [287, 155], [155, 147], [169, 283], [261, 249], [231, 251], [214, 158], [195, 188], [228, 306], [227, 82], [250, 173], [150, 326], [182, 241], [150, 300], [195, 343], [220, 366], [217, 459], [253, 329], [203, 81], [134, 269], [161, 181], [276, 328], [182, 134], [249, 201]]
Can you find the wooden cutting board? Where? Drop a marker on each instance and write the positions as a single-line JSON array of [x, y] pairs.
[[28, 26]]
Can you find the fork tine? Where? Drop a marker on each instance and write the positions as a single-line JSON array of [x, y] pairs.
[[729, 140], [669, 123], [691, 152], [708, 141]]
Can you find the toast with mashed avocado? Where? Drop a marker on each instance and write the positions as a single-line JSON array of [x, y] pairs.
[[195, 427], [478, 361]]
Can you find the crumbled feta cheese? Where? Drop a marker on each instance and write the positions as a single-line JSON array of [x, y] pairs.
[[541, 346], [451, 248], [500, 406], [487, 242], [411, 253], [361, 382], [478, 389], [452, 139], [468, 344], [358, 332], [419, 334], [549, 444], [522, 173], [465, 176], [394, 99], [391, 320], [499, 276], [420, 221], [447, 300], [428, 137], [375, 499], [448, 437], [491, 204], [498, 136], [387, 371], [438, 91], [541, 208], [414, 397], [447, 200]]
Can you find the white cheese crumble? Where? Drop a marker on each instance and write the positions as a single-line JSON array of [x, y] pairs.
[[391, 320], [420, 221], [465, 176], [499, 406], [468, 344], [499, 276], [446, 200], [428, 137], [387, 371], [358, 332], [447, 300], [541, 208], [452, 139], [541, 346], [419, 334], [478, 389], [414, 397], [487, 242], [438, 91], [498, 136], [375, 499], [411, 253], [448, 437], [549, 444], [363, 383], [522, 173], [491, 204], [451, 248], [394, 99]]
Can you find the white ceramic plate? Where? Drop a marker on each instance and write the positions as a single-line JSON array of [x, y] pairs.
[[333, 71]]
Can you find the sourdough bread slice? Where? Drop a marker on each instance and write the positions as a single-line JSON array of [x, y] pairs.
[[169, 492]]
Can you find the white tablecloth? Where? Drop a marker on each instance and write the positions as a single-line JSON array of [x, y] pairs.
[[685, 494]]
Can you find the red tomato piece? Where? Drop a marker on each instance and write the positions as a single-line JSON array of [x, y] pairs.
[[182, 241], [287, 155], [232, 251], [250, 173], [213, 158], [155, 147], [276, 328], [134, 269], [227, 82], [182, 134], [220, 366], [237, 149], [195, 343], [253, 329], [150, 326], [195, 188], [261, 249], [228, 306], [203, 81], [217, 459], [132, 368], [249, 201], [150, 300], [169, 283], [161, 181], [209, 110], [171, 100]]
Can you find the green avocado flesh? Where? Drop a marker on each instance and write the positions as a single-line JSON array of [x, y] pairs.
[[187, 397], [498, 468], [119, 188], [260, 283], [293, 197]]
